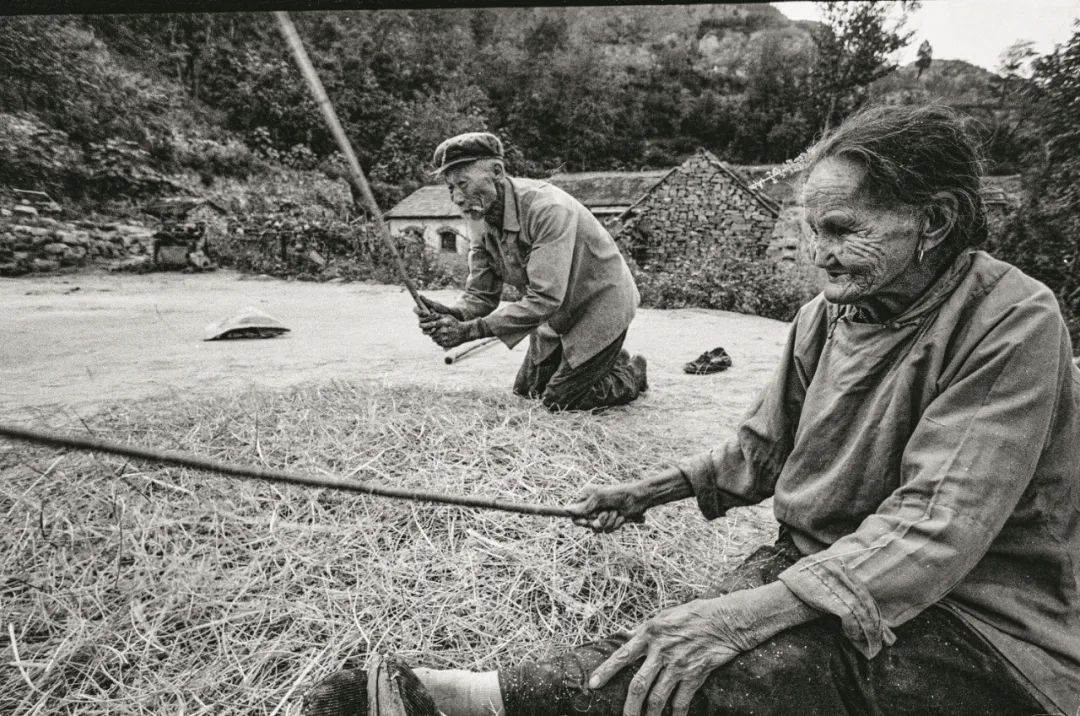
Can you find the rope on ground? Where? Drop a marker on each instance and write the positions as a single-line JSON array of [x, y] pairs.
[[183, 459]]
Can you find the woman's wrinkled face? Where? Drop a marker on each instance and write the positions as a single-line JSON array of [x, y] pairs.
[[863, 246], [472, 189]]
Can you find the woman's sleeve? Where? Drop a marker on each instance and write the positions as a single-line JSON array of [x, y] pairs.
[[744, 469]]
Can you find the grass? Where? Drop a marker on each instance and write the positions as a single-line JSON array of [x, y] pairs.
[[132, 589]]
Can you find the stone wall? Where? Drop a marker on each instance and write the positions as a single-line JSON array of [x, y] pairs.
[[34, 238], [701, 209], [41, 244]]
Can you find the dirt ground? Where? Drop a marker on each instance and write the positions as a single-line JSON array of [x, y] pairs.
[[80, 342]]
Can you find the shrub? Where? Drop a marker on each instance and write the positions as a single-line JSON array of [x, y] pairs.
[[285, 244], [35, 156], [119, 166], [228, 158], [1038, 241], [760, 288]]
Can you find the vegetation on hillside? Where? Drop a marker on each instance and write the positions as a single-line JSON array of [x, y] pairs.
[[104, 111], [577, 88]]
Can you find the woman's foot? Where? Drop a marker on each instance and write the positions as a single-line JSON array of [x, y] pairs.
[[386, 688]]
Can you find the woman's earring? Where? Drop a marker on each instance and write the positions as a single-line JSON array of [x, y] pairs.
[[919, 256]]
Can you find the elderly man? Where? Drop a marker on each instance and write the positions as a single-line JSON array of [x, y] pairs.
[[578, 295]]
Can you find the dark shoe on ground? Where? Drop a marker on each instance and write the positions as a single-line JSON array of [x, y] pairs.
[[387, 688], [712, 361], [640, 366]]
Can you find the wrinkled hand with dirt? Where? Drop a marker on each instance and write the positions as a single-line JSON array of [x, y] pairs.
[[448, 331], [681, 647], [607, 508]]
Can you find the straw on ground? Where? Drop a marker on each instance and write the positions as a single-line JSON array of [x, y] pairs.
[[134, 589]]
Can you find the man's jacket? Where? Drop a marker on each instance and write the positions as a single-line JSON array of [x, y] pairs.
[[576, 288]]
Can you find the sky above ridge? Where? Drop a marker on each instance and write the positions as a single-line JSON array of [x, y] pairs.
[[977, 31]]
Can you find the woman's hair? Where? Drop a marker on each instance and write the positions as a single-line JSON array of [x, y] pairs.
[[911, 153]]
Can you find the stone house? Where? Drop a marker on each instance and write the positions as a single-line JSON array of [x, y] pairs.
[[428, 215], [701, 209]]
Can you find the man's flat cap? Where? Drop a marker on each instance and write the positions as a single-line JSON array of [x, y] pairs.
[[465, 148]]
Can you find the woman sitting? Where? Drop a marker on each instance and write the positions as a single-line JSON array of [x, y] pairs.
[[921, 442]]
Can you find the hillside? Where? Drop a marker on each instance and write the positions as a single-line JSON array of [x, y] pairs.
[[953, 82], [100, 107]]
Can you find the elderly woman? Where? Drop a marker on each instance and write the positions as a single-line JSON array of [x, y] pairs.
[[921, 442]]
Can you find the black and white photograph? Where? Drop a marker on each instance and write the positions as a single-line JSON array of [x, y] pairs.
[[478, 359]]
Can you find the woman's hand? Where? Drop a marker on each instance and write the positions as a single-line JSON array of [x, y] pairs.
[[607, 508], [683, 645]]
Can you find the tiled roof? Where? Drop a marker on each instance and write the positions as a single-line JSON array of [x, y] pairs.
[[608, 189], [427, 202]]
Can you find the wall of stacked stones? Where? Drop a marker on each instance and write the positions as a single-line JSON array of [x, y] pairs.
[[31, 244], [700, 212]]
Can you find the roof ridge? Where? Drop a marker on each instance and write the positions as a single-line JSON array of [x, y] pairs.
[[765, 201], [651, 189]]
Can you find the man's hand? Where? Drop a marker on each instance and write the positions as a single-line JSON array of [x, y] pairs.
[[683, 645], [448, 331], [607, 508], [435, 307]]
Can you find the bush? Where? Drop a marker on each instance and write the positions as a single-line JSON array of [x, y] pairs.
[[122, 167], [1039, 241], [760, 288], [287, 245], [230, 158], [35, 156]]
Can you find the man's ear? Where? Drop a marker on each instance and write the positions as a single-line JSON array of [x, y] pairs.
[[939, 220], [498, 170]]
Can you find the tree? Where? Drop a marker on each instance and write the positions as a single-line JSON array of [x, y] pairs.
[[1014, 69], [774, 126], [854, 45], [1009, 136], [925, 56], [1043, 239]]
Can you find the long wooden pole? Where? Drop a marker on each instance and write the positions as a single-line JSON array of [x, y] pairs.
[[288, 31], [455, 357], [182, 459]]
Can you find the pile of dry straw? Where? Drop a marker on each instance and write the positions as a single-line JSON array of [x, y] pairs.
[[130, 589]]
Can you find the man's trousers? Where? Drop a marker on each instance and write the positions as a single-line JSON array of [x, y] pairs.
[[604, 380]]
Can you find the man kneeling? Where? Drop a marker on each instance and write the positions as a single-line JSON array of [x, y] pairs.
[[578, 296]]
